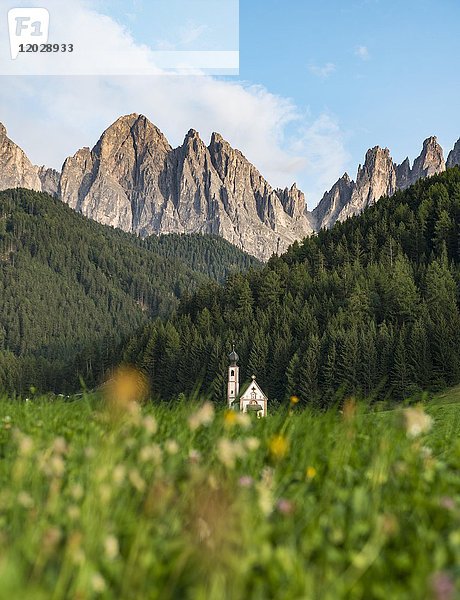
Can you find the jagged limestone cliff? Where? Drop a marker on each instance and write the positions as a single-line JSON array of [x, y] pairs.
[[134, 180]]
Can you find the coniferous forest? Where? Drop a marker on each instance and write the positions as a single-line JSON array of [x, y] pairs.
[[370, 308], [71, 290]]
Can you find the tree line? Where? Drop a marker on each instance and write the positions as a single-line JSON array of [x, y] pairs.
[[72, 290], [369, 308]]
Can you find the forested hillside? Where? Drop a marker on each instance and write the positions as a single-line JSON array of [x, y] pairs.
[[71, 289], [369, 307]]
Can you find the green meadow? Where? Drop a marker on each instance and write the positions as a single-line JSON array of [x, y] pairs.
[[189, 501]]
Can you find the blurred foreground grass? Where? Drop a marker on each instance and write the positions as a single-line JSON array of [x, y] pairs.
[[185, 502]]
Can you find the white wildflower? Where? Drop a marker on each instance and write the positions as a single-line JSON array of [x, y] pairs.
[[417, 421], [203, 417], [171, 447]]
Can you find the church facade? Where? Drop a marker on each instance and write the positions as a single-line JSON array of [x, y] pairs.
[[252, 400]]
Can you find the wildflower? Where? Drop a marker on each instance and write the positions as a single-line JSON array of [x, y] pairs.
[[126, 388], [194, 456], [98, 583], [90, 452], [294, 400], [111, 547], [150, 424], [278, 447], [151, 453], [252, 443], [426, 452], [25, 500], [171, 447], [136, 480], [119, 474], [417, 421], [265, 498], [246, 481], [447, 503], [57, 466], [74, 547], [443, 586], [243, 420], [310, 473], [73, 512], [60, 445], [229, 451], [26, 445], [77, 492], [284, 506], [233, 418], [51, 539], [203, 417], [230, 418]]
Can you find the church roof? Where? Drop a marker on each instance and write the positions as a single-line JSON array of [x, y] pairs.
[[253, 386]]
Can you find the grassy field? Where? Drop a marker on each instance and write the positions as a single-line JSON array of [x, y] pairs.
[[107, 501]]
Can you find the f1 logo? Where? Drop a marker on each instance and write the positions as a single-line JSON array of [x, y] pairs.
[[27, 25]]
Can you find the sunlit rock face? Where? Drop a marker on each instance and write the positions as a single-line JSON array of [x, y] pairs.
[[16, 170], [379, 176], [134, 180]]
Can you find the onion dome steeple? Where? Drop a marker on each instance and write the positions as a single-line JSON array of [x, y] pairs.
[[233, 357]]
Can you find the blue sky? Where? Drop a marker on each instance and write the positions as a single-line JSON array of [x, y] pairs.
[[319, 83], [402, 88]]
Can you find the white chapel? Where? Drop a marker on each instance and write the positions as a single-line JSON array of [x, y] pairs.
[[253, 399]]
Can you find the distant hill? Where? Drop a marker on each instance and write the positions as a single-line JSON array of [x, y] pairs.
[[72, 289], [369, 307]]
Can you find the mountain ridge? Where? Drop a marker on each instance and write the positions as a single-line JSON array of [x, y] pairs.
[[133, 179]]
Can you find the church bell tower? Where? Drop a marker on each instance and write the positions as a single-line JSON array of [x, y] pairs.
[[233, 388]]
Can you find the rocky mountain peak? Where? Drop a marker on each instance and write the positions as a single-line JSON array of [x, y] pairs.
[[293, 201], [16, 170], [453, 159], [333, 202], [134, 180], [193, 143], [49, 179], [430, 162]]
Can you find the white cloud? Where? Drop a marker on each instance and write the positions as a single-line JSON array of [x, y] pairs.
[[322, 71], [51, 118], [362, 52]]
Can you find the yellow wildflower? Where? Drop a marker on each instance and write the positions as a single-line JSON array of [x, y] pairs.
[[278, 446], [294, 399], [310, 473], [230, 418]]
